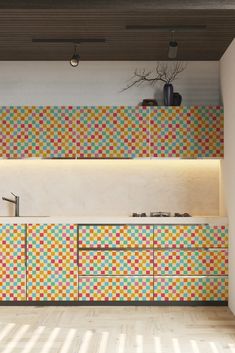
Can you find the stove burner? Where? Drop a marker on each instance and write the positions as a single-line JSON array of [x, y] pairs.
[[160, 214]]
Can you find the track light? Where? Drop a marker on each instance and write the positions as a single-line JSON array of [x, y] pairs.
[[74, 61], [173, 47]]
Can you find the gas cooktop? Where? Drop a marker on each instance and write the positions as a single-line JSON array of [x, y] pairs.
[[160, 214]]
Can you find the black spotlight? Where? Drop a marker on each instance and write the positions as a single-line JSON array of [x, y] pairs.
[[74, 61], [173, 47]]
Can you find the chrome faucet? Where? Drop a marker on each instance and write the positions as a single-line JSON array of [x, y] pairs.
[[16, 201]]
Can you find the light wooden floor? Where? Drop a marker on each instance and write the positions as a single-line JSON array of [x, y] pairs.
[[116, 330]]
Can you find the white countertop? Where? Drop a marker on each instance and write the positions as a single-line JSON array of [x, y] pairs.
[[114, 220]]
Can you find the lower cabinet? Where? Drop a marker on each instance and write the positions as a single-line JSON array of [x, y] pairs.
[[52, 272], [113, 263], [115, 288], [12, 262]]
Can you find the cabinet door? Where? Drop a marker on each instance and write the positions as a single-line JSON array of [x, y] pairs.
[[191, 288], [187, 132], [115, 288], [190, 236], [52, 272], [113, 132], [12, 262], [44, 132], [116, 236]]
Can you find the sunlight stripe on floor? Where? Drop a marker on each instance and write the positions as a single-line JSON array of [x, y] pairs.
[[16, 339], [176, 346], [33, 340], [7, 329], [68, 341], [157, 344], [50, 341], [139, 344], [85, 342], [194, 346], [214, 349]]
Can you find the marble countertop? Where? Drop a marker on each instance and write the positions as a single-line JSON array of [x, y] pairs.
[[213, 220]]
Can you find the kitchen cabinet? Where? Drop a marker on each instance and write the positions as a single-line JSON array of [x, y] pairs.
[[12, 262], [111, 132], [37, 132], [190, 263], [115, 263], [52, 272], [153, 262], [187, 132]]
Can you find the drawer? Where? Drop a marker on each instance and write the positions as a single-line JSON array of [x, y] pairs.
[[190, 262], [196, 236], [115, 236], [115, 288], [191, 288], [115, 262]]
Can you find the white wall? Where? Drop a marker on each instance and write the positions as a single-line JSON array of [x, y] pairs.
[[227, 68], [110, 187], [99, 83]]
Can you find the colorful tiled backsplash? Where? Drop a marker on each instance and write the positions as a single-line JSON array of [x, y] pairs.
[[111, 132]]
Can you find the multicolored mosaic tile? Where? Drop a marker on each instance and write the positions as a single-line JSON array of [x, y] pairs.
[[188, 132], [191, 236], [190, 262], [113, 132], [191, 289], [12, 263], [52, 272], [115, 262], [116, 236], [30, 131], [115, 288]]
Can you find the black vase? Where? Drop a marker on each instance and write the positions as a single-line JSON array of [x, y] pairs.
[[168, 94], [177, 99]]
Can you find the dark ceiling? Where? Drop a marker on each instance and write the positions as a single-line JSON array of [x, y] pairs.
[[133, 30]]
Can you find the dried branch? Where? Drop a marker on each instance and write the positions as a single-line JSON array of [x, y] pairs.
[[163, 72]]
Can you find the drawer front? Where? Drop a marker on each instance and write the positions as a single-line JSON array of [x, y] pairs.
[[115, 288], [115, 262], [196, 236], [191, 288], [52, 272], [116, 236], [190, 262]]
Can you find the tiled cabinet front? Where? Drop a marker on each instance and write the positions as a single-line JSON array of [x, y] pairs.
[[12, 262], [52, 272], [187, 132], [31, 132], [190, 263], [116, 263], [153, 263], [111, 132]]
